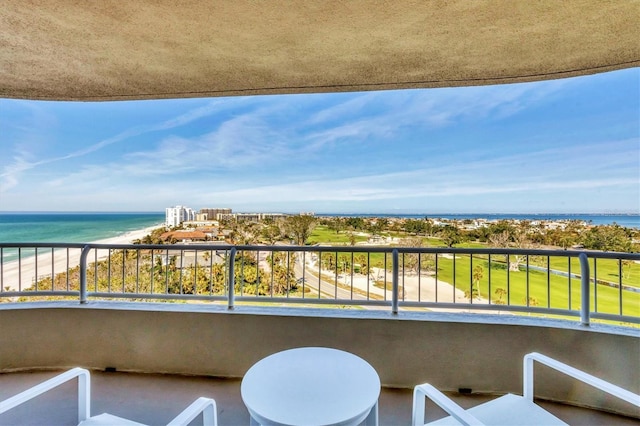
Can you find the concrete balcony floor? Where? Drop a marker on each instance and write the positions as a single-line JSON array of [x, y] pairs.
[[156, 399]]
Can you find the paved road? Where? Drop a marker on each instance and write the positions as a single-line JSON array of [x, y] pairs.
[[327, 288]]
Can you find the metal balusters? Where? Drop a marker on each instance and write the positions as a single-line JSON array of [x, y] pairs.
[[83, 274], [549, 283], [508, 281], [231, 268], [20, 269], [527, 267], [470, 279], [35, 268], [489, 278], [570, 289], [585, 305], [140, 273], [620, 286], [595, 285], [394, 278], [436, 278], [454, 277], [53, 275]]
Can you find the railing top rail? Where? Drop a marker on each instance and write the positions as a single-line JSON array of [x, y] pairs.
[[42, 245], [444, 250], [334, 249]]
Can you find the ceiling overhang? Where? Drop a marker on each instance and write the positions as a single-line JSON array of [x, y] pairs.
[[147, 49]]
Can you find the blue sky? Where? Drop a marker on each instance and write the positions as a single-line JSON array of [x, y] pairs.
[[562, 146]]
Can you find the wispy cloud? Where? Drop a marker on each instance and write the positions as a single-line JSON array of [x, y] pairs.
[[384, 114], [376, 148], [11, 172], [381, 188]]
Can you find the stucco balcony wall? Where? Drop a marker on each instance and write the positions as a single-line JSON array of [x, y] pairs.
[[476, 351]]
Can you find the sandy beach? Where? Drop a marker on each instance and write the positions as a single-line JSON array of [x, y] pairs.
[[20, 275]]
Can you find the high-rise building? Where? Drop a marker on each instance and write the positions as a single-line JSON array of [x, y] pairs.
[[174, 216], [213, 214]]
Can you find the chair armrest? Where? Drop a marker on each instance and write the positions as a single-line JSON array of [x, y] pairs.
[[444, 402], [84, 392], [206, 406], [605, 386]]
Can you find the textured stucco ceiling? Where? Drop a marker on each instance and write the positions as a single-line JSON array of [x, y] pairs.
[[142, 49]]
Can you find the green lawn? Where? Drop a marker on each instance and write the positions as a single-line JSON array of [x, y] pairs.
[[322, 234], [552, 291], [543, 291], [605, 269]]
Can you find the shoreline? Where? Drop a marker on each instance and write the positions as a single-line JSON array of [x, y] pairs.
[[128, 237], [18, 275]]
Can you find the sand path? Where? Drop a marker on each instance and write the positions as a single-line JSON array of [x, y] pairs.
[[422, 288]]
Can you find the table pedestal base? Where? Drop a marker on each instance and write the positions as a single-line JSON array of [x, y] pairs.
[[370, 420]]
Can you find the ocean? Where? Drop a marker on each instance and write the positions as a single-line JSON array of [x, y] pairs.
[[71, 227]]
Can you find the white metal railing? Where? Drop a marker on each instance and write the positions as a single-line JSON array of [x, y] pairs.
[[546, 282]]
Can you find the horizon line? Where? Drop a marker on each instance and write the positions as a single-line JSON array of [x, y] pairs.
[[333, 213]]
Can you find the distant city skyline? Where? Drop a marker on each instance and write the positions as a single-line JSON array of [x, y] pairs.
[[559, 146]]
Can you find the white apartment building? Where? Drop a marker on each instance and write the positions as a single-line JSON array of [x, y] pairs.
[[174, 216]]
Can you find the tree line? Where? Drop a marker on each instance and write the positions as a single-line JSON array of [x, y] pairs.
[[500, 234], [297, 229]]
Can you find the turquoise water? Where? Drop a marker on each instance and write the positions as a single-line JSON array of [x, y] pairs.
[[68, 228], [71, 227]]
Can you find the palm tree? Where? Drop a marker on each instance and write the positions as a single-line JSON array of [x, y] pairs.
[[500, 292], [478, 273]]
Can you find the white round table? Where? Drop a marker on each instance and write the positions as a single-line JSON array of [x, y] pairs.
[[311, 386]]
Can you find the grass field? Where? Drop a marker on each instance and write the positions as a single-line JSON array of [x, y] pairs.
[[536, 288], [604, 269], [540, 289], [322, 234], [545, 291]]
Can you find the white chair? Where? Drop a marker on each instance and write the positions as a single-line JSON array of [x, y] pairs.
[[510, 409], [206, 406]]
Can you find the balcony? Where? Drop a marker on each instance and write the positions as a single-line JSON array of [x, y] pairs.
[[155, 399], [108, 310]]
